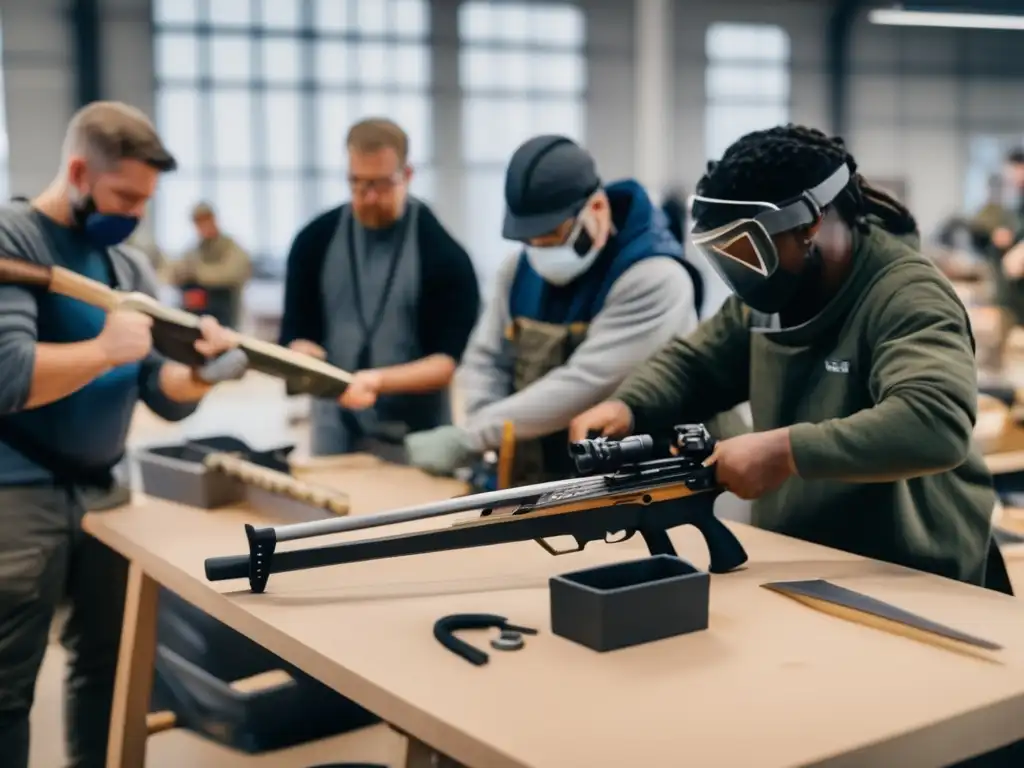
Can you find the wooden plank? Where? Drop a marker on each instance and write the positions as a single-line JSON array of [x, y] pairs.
[[134, 682]]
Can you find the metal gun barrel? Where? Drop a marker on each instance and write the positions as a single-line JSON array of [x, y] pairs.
[[467, 503]]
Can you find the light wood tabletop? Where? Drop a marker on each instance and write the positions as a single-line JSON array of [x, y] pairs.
[[771, 682]]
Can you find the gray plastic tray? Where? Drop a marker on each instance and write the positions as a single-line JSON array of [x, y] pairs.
[[166, 475]]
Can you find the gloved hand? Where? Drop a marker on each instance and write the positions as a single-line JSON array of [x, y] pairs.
[[439, 451]]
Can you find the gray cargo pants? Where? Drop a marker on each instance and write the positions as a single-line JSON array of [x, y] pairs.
[[45, 557]]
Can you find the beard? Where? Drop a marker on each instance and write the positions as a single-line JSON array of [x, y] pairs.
[[374, 216]]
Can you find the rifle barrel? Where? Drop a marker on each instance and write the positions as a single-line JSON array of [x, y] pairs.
[[466, 503]]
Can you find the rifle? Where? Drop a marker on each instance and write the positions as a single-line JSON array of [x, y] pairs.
[[621, 489], [176, 331]]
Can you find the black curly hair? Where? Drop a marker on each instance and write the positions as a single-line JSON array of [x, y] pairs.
[[778, 164]]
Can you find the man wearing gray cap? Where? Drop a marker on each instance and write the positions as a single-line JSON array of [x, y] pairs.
[[597, 287]]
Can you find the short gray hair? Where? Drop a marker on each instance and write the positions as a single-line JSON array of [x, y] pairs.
[[106, 132]]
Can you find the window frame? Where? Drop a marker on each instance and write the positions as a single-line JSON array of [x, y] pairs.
[[487, 172], [723, 57], [308, 88]]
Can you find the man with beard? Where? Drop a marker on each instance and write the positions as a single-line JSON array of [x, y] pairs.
[[73, 376], [378, 287]]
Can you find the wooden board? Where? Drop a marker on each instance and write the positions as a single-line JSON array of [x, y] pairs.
[[766, 666]]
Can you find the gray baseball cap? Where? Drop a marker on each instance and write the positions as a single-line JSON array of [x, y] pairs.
[[549, 180]]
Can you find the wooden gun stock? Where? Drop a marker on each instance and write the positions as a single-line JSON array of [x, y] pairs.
[[57, 280], [175, 330]]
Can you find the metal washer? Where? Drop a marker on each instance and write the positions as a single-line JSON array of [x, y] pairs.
[[508, 640]]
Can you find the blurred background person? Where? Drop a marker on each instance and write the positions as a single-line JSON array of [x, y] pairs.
[[994, 229], [674, 207], [213, 275]]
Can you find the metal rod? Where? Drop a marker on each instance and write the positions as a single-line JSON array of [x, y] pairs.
[[467, 503]]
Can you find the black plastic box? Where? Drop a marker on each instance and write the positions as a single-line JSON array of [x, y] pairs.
[[624, 604]]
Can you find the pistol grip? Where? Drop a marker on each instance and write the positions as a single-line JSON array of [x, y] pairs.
[[727, 554], [658, 542]]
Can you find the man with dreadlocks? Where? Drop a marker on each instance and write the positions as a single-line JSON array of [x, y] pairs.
[[854, 351]]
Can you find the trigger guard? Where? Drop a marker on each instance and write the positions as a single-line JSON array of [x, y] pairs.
[[629, 533], [580, 544]]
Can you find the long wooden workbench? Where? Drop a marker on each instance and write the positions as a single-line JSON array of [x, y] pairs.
[[771, 682]]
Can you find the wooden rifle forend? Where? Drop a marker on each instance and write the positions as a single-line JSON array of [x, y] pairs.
[[308, 373], [279, 483]]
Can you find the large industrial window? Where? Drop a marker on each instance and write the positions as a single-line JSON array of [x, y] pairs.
[[746, 83], [522, 68], [255, 97]]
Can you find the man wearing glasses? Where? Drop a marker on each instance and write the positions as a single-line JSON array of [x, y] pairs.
[[377, 286]]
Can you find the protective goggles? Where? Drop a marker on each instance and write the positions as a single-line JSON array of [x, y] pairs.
[[741, 250]]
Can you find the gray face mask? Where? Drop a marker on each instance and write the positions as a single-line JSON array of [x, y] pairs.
[[561, 264]]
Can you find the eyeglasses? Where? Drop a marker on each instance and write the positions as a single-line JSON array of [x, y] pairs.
[[381, 184]]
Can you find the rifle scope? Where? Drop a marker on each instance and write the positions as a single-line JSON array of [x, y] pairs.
[[601, 455]]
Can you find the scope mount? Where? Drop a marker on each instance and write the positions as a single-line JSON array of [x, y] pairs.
[[694, 440]]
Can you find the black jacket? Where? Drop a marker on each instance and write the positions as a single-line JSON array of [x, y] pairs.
[[449, 291]]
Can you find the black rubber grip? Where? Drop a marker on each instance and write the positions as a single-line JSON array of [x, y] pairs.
[[224, 568]]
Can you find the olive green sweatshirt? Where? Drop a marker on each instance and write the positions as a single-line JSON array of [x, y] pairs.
[[879, 391]]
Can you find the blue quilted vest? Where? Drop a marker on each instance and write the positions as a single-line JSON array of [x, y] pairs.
[[641, 232]]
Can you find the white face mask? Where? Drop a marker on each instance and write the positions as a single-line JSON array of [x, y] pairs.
[[561, 264]]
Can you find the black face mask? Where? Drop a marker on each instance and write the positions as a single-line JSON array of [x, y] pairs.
[[103, 230], [782, 287]]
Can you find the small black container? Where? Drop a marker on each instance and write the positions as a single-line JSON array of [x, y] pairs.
[[624, 604]]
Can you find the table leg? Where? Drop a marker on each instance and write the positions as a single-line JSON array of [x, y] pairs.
[[419, 755], [134, 683]]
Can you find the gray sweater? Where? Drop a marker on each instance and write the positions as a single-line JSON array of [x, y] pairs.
[[650, 304]]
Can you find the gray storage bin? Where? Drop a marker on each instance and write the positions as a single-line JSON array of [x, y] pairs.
[[172, 472]]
